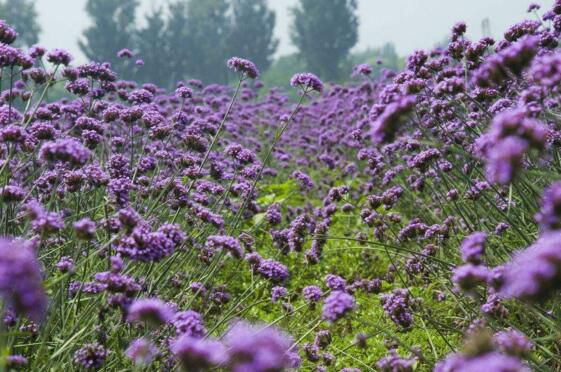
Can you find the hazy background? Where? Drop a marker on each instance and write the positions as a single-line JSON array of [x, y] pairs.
[[408, 24], [178, 40]]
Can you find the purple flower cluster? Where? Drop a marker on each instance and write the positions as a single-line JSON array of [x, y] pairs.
[[397, 305]]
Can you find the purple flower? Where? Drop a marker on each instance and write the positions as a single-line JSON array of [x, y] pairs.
[[21, 284], [473, 247], [395, 363], [246, 67], [469, 276], [59, 57], [335, 282], [549, 216], [91, 356], [85, 229], [141, 351], [150, 310], [277, 293], [397, 306], [65, 150], [7, 34], [336, 305], [305, 181], [225, 242], [362, 69], [197, 354], [16, 362], [66, 265], [189, 323], [273, 270], [491, 361], [124, 53], [258, 348], [312, 293], [307, 81], [535, 273], [387, 124], [513, 342]]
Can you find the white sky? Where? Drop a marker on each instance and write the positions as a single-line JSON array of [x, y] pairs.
[[409, 24]]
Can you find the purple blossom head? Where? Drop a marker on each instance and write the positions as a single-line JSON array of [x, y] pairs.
[[469, 276], [336, 305], [549, 216], [397, 305], [277, 293], [124, 53], [151, 311], [197, 354], [59, 57], [85, 229], [91, 356], [513, 342], [16, 362], [307, 81], [7, 34], [473, 247], [244, 66], [21, 283], [362, 69], [492, 361], [141, 351], [227, 243], [335, 282], [273, 270], [67, 151], [534, 274], [312, 293], [259, 348], [189, 323], [394, 363], [66, 265]]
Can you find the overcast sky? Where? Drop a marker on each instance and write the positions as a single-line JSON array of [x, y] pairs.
[[409, 24]]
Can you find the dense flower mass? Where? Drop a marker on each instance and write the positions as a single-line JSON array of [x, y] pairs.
[[377, 223], [21, 285]]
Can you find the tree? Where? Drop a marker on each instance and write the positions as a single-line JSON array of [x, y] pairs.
[[152, 47], [251, 35], [324, 31], [206, 34], [175, 36], [112, 29], [22, 16]]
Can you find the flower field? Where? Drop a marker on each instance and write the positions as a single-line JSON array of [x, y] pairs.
[[404, 222]]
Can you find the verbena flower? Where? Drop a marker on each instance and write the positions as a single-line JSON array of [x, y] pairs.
[[336, 305], [21, 280], [307, 81], [246, 67]]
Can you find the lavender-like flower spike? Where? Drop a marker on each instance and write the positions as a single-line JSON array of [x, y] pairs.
[[534, 274], [307, 81], [197, 354], [549, 216], [151, 311], [258, 348], [336, 305], [141, 351], [91, 356], [21, 284], [473, 247], [246, 67]]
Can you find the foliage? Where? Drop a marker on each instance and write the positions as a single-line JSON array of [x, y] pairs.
[[22, 15], [324, 32]]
